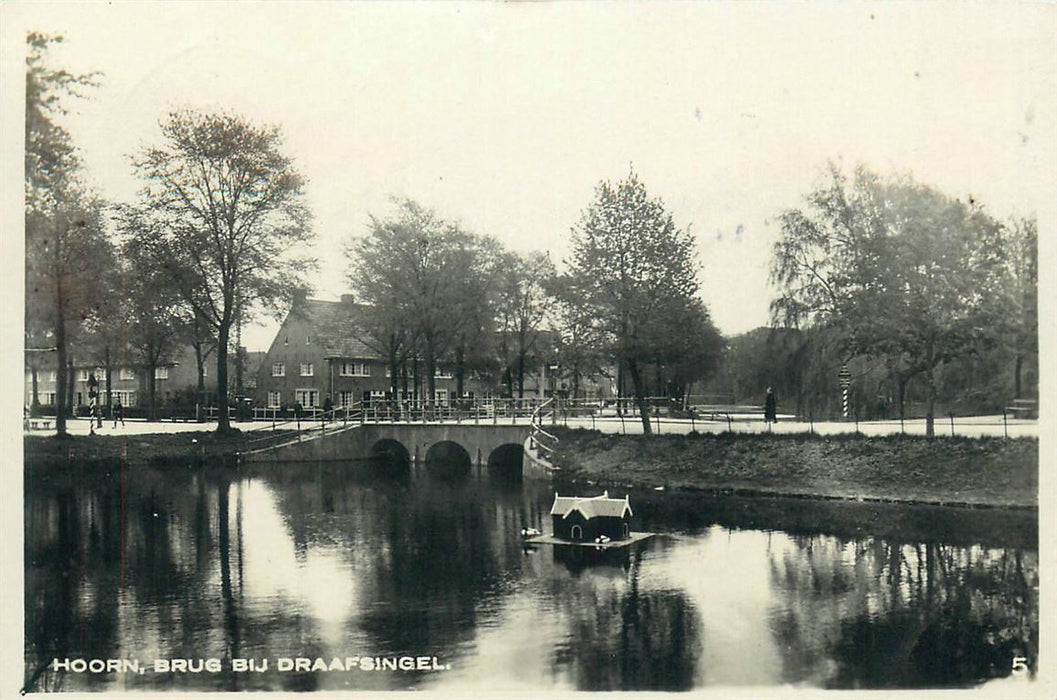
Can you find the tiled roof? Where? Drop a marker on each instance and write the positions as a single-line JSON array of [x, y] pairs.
[[339, 327], [597, 506]]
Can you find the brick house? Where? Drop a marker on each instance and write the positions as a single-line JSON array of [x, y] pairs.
[[176, 379], [320, 351]]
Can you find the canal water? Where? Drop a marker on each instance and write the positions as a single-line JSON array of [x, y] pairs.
[[352, 565]]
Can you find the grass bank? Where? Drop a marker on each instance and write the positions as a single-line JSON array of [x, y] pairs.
[[55, 451], [948, 471]]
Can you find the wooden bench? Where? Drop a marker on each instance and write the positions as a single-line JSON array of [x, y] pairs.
[[1023, 408], [39, 423]]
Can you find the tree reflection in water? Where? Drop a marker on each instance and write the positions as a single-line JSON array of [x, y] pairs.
[[877, 614], [174, 560]]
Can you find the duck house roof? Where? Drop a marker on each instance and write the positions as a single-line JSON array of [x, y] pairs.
[[594, 507]]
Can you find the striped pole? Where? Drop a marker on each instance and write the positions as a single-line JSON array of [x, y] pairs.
[[845, 381]]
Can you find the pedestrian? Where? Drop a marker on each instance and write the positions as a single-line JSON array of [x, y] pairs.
[[298, 412], [119, 413], [770, 407]]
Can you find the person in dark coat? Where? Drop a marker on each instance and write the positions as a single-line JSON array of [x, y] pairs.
[[770, 407]]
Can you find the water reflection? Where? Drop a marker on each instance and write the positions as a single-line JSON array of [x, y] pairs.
[[173, 561]]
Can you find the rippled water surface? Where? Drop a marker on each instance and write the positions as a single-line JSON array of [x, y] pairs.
[[146, 563]]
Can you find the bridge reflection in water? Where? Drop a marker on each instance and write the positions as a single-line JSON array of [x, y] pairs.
[[170, 560]]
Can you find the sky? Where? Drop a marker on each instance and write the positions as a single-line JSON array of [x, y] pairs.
[[506, 116]]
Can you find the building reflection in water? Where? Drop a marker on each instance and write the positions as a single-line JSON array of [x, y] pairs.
[[354, 559]]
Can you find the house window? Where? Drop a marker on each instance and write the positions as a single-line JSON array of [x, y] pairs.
[[47, 398], [345, 398], [441, 397], [279, 369], [161, 373], [274, 399], [308, 398], [308, 340], [306, 369], [82, 375], [126, 397], [51, 376], [377, 395], [443, 373], [354, 369], [126, 374], [205, 370]]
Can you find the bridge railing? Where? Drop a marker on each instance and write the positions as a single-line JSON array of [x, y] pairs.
[[540, 440], [308, 424]]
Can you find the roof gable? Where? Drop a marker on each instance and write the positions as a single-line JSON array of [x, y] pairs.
[[337, 326], [594, 507]]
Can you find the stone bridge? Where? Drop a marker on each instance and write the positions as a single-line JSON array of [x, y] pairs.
[[483, 445]]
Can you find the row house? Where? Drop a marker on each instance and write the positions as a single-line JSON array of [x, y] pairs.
[[320, 352], [129, 381]]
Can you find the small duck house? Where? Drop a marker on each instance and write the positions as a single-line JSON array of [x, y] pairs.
[[583, 519]]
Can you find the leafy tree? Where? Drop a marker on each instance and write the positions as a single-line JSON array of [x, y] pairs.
[[156, 319], [425, 283], [690, 355], [897, 267], [523, 303], [1021, 239], [222, 212], [580, 338], [631, 263], [67, 250]]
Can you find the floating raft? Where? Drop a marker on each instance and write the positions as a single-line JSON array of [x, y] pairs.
[[612, 544]]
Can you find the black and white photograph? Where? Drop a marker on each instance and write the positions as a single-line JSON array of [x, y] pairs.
[[528, 347]]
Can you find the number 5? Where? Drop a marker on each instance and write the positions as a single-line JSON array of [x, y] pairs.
[[1020, 665]]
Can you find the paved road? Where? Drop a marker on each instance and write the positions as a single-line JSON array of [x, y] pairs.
[[974, 426], [80, 426]]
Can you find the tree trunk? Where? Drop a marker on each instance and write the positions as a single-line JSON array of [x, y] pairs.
[[901, 394], [416, 381], [70, 407], [1017, 367], [35, 401], [521, 374], [930, 404], [238, 358], [431, 373], [460, 369], [108, 370], [152, 388], [201, 368], [60, 341], [394, 368], [60, 377], [640, 397], [223, 332]]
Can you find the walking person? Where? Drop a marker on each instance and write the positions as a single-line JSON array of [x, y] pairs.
[[119, 413], [770, 407]]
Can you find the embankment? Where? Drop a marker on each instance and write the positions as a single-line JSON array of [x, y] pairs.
[[40, 451], [995, 472]]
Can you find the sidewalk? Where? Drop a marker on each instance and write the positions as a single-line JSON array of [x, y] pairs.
[[967, 426], [81, 426]]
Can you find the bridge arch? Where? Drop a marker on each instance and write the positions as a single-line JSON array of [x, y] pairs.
[[448, 459], [390, 456], [505, 462]]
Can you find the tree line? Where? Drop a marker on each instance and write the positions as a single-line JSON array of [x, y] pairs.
[[884, 271], [218, 232]]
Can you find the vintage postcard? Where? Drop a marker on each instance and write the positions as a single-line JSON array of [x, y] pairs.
[[529, 347]]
